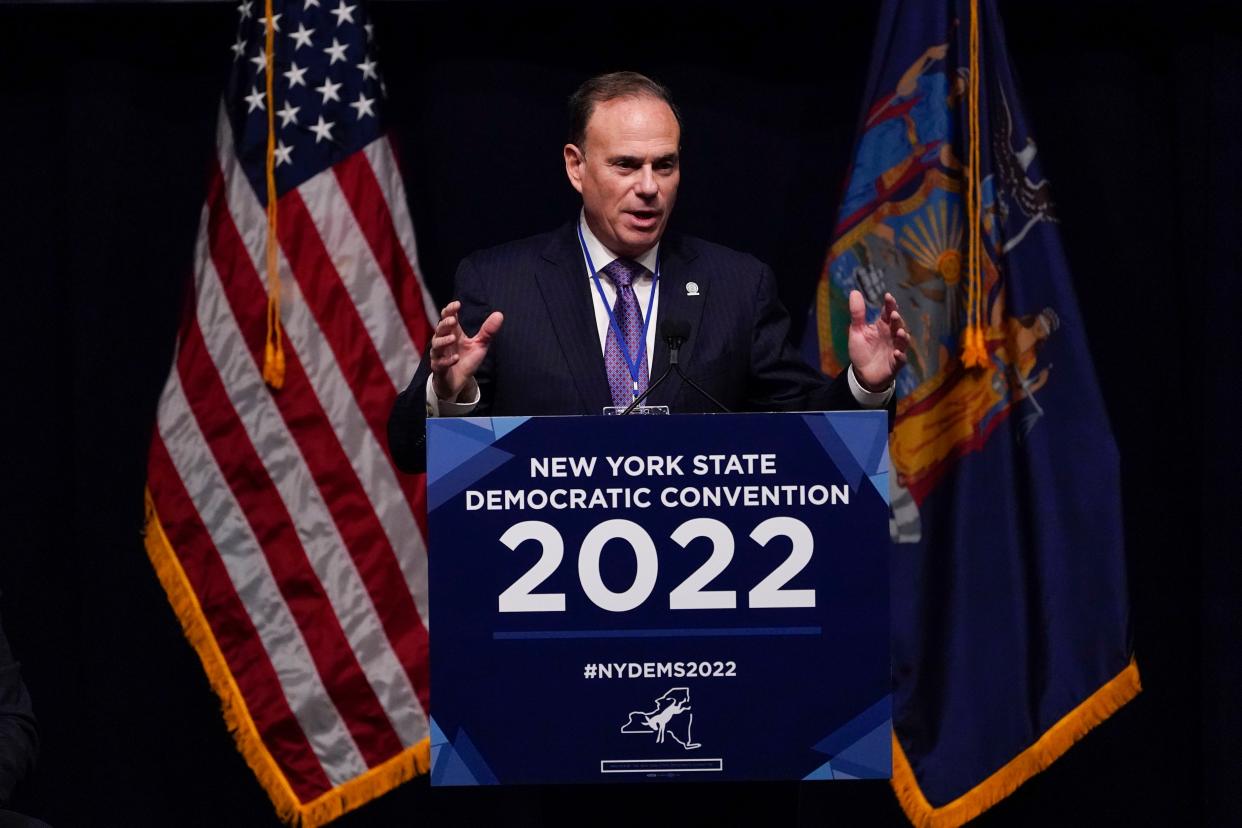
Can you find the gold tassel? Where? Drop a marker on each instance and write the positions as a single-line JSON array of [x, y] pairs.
[[974, 353], [273, 350], [273, 353], [974, 348]]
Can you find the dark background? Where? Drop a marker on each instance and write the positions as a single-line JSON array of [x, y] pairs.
[[106, 126]]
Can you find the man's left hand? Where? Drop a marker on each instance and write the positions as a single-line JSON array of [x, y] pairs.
[[877, 350]]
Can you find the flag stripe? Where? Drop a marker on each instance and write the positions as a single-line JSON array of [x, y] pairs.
[[365, 283], [386, 164], [273, 526], [398, 499], [384, 317], [379, 482], [375, 519], [340, 321], [319, 535], [370, 207], [255, 582], [342, 327], [329, 450], [238, 637]]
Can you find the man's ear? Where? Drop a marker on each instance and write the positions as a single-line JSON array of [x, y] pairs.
[[574, 162]]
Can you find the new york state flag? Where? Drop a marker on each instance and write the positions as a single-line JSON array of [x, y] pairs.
[[1011, 634]]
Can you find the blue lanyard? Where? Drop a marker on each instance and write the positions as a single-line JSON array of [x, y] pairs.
[[630, 362]]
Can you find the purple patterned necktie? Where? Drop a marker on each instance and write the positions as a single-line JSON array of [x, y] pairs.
[[623, 272]]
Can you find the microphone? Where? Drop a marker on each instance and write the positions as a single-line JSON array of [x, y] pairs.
[[674, 332]]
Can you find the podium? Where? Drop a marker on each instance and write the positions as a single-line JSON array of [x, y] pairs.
[[623, 599]]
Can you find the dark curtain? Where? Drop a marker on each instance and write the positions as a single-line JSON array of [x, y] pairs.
[[108, 119]]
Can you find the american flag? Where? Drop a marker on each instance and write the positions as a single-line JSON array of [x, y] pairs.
[[290, 547]]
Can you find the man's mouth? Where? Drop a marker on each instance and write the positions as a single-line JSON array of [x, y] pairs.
[[644, 219]]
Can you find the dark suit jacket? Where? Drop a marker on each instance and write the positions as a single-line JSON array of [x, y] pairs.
[[547, 357]]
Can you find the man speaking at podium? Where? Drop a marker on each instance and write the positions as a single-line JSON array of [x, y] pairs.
[[566, 322]]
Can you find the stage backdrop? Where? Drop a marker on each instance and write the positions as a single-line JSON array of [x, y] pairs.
[[109, 114]]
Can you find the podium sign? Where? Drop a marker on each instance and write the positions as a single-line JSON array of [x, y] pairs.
[[634, 598]]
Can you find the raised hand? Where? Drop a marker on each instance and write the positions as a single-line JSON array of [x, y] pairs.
[[877, 351], [455, 357]]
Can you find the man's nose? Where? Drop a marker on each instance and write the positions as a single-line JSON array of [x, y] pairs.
[[647, 186]]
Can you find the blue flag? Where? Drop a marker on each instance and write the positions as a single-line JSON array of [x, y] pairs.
[[1011, 633]]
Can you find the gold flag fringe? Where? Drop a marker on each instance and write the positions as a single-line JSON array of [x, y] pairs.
[[1047, 749], [411, 762], [379, 780]]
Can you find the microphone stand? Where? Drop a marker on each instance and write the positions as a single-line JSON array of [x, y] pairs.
[[674, 346], [696, 387]]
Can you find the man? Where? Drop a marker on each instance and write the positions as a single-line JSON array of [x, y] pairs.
[[566, 322]]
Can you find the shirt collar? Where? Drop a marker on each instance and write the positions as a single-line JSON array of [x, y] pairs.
[[601, 256]]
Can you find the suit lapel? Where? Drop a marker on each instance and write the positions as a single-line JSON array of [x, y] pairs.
[[563, 283], [683, 292]]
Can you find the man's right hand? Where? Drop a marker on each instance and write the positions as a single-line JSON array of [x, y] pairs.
[[454, 356]]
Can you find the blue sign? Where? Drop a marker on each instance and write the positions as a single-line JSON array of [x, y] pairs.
[[633, 598]]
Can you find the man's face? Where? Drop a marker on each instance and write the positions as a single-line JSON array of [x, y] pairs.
[[627, 172]]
